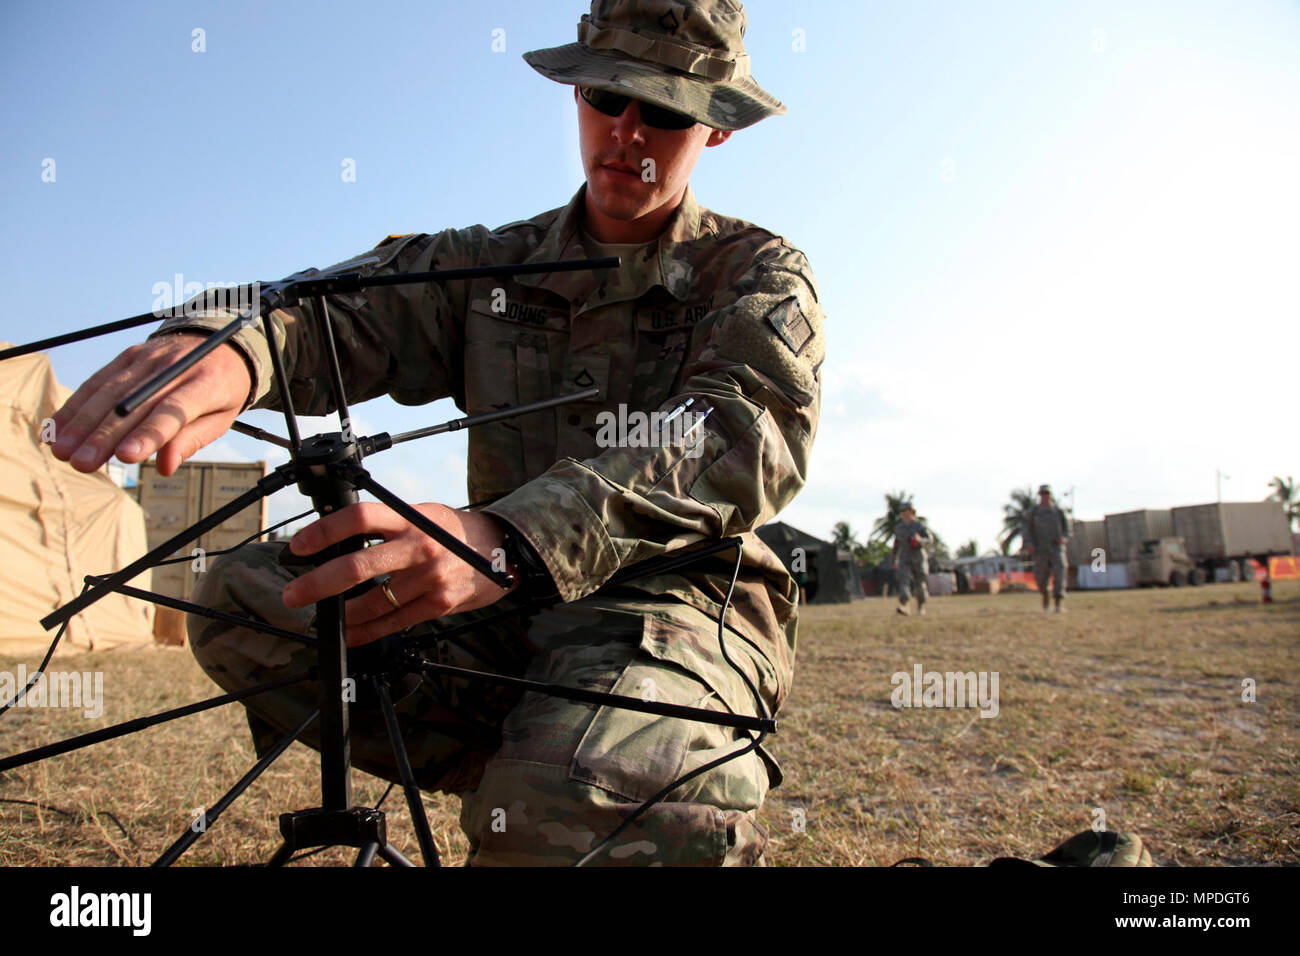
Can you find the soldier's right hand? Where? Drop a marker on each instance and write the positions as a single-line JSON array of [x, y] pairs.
[[188, 413]]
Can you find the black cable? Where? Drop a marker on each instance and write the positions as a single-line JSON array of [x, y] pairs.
[[49, 653], [82, 816], [754, 742], [40, 806]]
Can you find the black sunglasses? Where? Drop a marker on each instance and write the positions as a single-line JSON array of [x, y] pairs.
[[613, 104]]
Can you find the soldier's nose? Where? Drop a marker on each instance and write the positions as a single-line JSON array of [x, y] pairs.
[[627, 125]]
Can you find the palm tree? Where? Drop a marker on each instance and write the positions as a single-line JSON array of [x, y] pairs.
[[968, 550], [1014, 515], [1285, 494], [883, 530], [844, 536]]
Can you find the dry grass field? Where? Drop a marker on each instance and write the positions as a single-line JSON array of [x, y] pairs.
[[1130, 703]]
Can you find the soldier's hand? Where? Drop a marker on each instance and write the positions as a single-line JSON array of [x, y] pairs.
[[428, 581], [193, 411], [1029, 551]]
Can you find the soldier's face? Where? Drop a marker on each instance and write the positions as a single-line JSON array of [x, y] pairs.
[[636, 174]]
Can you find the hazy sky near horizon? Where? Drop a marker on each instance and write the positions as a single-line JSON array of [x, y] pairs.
[[1055, 242]]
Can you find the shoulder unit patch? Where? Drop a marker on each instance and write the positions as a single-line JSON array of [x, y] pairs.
[[791, 324]]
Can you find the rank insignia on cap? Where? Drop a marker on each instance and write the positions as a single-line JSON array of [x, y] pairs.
[[791, 324]]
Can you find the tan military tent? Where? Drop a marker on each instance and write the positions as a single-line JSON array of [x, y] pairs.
[[57, 525]]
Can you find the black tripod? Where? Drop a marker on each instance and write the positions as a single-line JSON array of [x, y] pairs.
[[327, 468]]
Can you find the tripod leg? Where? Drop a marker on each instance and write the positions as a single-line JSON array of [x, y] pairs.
[[367, 855], [427, 848], [282, 855], [394, 857], [210, 817]]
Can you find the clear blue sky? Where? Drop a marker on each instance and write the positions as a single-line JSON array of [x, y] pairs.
[[1056, 241]]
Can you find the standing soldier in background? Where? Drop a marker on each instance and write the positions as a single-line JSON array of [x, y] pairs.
[[911, 538], [1047, 529]]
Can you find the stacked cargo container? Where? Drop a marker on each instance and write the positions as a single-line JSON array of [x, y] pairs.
[[1085, 538], [1126, 531], [1227, 537], [198, 488]]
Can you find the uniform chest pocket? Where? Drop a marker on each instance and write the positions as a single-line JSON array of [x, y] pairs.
[[576, 423], [662, 341], [513, 363]]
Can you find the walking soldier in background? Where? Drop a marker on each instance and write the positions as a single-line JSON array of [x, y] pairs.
[[911, 538], [1047, 529]]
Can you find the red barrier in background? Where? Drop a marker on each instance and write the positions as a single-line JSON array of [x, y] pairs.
[[1284, 568], [1006, 577]]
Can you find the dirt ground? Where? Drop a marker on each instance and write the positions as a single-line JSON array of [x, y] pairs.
[[1128, 709]]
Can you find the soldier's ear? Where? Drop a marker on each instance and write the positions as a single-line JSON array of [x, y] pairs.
[[717, 137]]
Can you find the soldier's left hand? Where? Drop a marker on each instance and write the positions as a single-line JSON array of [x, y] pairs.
[[428, 581]]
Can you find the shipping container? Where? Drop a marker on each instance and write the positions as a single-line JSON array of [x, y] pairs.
[[1233, 529], [1086, 537], [1227, 535], [222, 484], [173, 503], [1126, 531]]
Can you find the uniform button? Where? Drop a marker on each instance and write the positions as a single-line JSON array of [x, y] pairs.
[[574, 419]]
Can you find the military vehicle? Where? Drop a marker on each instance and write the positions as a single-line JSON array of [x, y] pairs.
[[1161, 562]]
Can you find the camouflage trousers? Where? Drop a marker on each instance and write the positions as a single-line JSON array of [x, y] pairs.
[[1050, 564], [541, 780], [913, 576]]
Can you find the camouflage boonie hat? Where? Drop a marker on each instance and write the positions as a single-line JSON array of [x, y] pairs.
[[1044, 489], [1091, 849], [906, 506], [683, 56]]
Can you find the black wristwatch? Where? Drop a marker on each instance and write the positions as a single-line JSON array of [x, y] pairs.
[[534, 579]]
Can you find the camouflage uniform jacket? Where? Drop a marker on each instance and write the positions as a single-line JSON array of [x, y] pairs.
[[1043, 526], [903, 532], [716, 309]]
